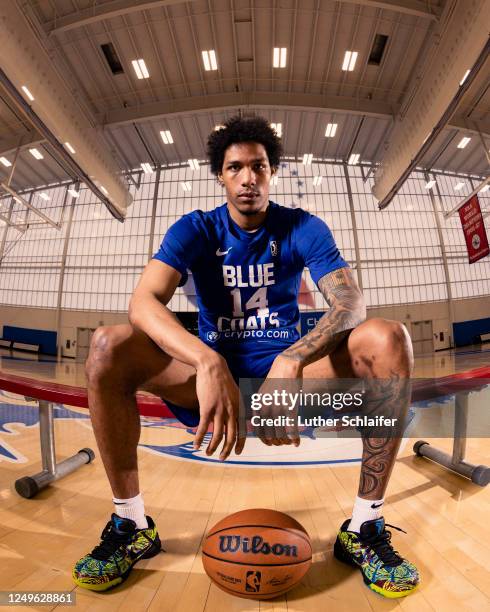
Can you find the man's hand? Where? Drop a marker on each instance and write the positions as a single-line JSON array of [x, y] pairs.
[[290, 372], [218, 397]]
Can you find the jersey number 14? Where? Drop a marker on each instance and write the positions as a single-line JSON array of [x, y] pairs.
[[257, 300]]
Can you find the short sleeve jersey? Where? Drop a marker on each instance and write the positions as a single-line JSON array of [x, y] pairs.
[[247, 283]]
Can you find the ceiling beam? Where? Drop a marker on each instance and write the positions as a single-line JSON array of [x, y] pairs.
[[293, 101], [306, 102], [409, 7], [101, 12], [116, 8], [470, 126], [215, 102], [32, 139]]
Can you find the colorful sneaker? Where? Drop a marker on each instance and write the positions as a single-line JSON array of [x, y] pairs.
[[383, 570], [121, 546]]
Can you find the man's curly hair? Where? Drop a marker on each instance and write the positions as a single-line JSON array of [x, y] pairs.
[[238, 129]]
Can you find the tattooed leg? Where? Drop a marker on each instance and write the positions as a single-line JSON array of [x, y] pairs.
[[381, 353]]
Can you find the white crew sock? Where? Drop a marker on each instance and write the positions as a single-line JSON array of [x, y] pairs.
[[365, 510], [132, 508]]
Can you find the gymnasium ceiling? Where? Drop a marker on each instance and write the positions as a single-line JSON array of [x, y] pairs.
[[182, 97]]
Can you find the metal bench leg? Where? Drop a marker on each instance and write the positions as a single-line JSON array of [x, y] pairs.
[[479, 474], [28, 486]]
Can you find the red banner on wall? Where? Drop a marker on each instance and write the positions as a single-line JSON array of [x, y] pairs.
[[474, 230]]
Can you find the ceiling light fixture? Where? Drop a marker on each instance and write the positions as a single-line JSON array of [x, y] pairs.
[[70, 148], [277, 127], [350, 58], [331, 130], [209, 60], [429, 184], [279, 57], [463, 142], [146, 167], [36, 153], [458, 186], [5, 162], [27, 93], [166, 137], [193, 164], [353, 159], [140, 69], [464, 77], [186, 186], [307, 159]]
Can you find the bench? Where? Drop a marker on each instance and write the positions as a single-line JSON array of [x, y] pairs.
[[48, 393], [19, 346]]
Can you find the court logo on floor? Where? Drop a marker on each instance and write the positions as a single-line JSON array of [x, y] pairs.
[[313, 451]]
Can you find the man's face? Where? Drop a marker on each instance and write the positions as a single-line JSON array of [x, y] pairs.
[[246, 175]]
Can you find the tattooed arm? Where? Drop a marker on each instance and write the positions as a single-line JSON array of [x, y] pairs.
[[347, 310]]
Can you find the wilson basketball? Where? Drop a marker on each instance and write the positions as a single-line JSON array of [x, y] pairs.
[[257, 554]]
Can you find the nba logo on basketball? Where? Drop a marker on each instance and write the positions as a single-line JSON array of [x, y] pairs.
[[274, 248], [252, 584]]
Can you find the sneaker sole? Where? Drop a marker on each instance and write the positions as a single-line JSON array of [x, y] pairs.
[[99, 587], [390, 594], [105, 586], [343, 557]]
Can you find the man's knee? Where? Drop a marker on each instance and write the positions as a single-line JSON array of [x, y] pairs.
[[385, 340], [103, 354]]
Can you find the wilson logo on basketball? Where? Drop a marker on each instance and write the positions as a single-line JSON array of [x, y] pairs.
[[236, 543]]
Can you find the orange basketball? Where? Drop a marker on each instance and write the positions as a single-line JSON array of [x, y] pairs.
[[258, 554]]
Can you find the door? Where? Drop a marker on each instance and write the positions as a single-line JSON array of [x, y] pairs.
[[422, 338], [84, 337]]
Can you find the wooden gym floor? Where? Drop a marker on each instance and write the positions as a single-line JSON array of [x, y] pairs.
[[446, 516]]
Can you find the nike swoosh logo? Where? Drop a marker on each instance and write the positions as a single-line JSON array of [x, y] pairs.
[[376, 505], [220, 253]]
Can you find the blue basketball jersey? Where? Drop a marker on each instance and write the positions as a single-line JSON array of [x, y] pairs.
[[247, 283]]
